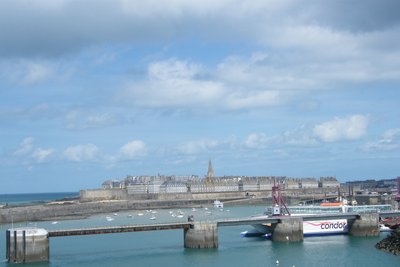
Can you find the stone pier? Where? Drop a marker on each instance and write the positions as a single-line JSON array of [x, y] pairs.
[[288, 230], [366, 225], [24, 245], [201, 235]]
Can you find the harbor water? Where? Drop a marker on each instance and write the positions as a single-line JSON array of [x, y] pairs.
[[165, 248]]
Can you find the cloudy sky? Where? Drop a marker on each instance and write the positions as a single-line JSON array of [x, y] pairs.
[[100, 89]]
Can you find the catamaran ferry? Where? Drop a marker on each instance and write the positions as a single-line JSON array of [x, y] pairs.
[[318, 227]]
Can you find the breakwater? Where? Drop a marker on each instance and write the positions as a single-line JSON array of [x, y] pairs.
[[391, 243], [76, 210]]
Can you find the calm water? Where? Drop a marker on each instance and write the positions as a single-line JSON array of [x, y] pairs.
[[18, 199], [165, 248]]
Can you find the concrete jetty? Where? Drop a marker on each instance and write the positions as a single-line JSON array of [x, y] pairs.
[[201, 235], [288, 230], [25, 245], [365, 225]]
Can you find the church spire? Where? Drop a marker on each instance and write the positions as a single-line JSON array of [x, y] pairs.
[[210, 172]]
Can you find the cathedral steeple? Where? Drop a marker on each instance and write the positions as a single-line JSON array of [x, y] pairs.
[[210, 172]]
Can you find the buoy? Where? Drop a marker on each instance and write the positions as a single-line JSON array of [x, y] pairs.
[[277, 262]]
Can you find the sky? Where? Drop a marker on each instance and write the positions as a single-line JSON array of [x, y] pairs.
[[101, 89]]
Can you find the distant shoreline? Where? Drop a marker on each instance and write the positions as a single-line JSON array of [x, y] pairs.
[[23, 199]]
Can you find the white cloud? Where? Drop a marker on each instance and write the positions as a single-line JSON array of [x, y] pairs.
[[251, 99], [25, 147], [124, 21], [390, 140], [179, 84], [31, 72], [79, 119], [25, 72], [256, 140], [35, 73], [259, 80], [299, 137], [27, 150], [40, 155], [349, 128], [133, 149], [172, 69], [198, 146], [82, 152], [173, 83]]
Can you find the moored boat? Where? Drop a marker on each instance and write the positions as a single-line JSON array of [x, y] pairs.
[[218, 204], [315, 227], [319, 227]]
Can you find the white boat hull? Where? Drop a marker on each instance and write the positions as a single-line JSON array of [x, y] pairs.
[[310, 228], [325, 227]]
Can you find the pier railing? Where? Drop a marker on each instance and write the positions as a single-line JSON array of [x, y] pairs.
[[118, 229]]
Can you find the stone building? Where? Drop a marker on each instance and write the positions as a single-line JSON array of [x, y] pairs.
[[328, 182], [174, 187], [113, 184], [293, 183], [309, 183]]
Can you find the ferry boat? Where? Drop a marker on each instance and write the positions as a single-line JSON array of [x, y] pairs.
[[317, 227], [312, 228]]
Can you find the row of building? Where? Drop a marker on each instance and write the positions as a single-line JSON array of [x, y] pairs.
[[192, 184]]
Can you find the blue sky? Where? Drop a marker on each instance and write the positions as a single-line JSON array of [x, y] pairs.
[[95, 90]]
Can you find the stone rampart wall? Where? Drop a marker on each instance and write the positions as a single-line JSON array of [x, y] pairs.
[[121, 194], [103, 194]]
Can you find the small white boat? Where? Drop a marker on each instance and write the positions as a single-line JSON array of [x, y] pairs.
[[218, 204], [140, 214], [109, 219], [55, 222], [153, 218]]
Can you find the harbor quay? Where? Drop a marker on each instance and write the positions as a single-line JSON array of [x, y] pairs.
[[27, 244]]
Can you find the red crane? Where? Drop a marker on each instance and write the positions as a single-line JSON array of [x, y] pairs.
[[397, 197], [278, 205]]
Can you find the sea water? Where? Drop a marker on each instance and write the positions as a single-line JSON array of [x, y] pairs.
[[165, 248], [20, 199]]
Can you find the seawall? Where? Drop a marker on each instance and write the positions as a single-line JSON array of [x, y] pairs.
[[74, 210], [122, 194]]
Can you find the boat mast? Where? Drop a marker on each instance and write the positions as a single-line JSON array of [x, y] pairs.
[[279, 207]]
